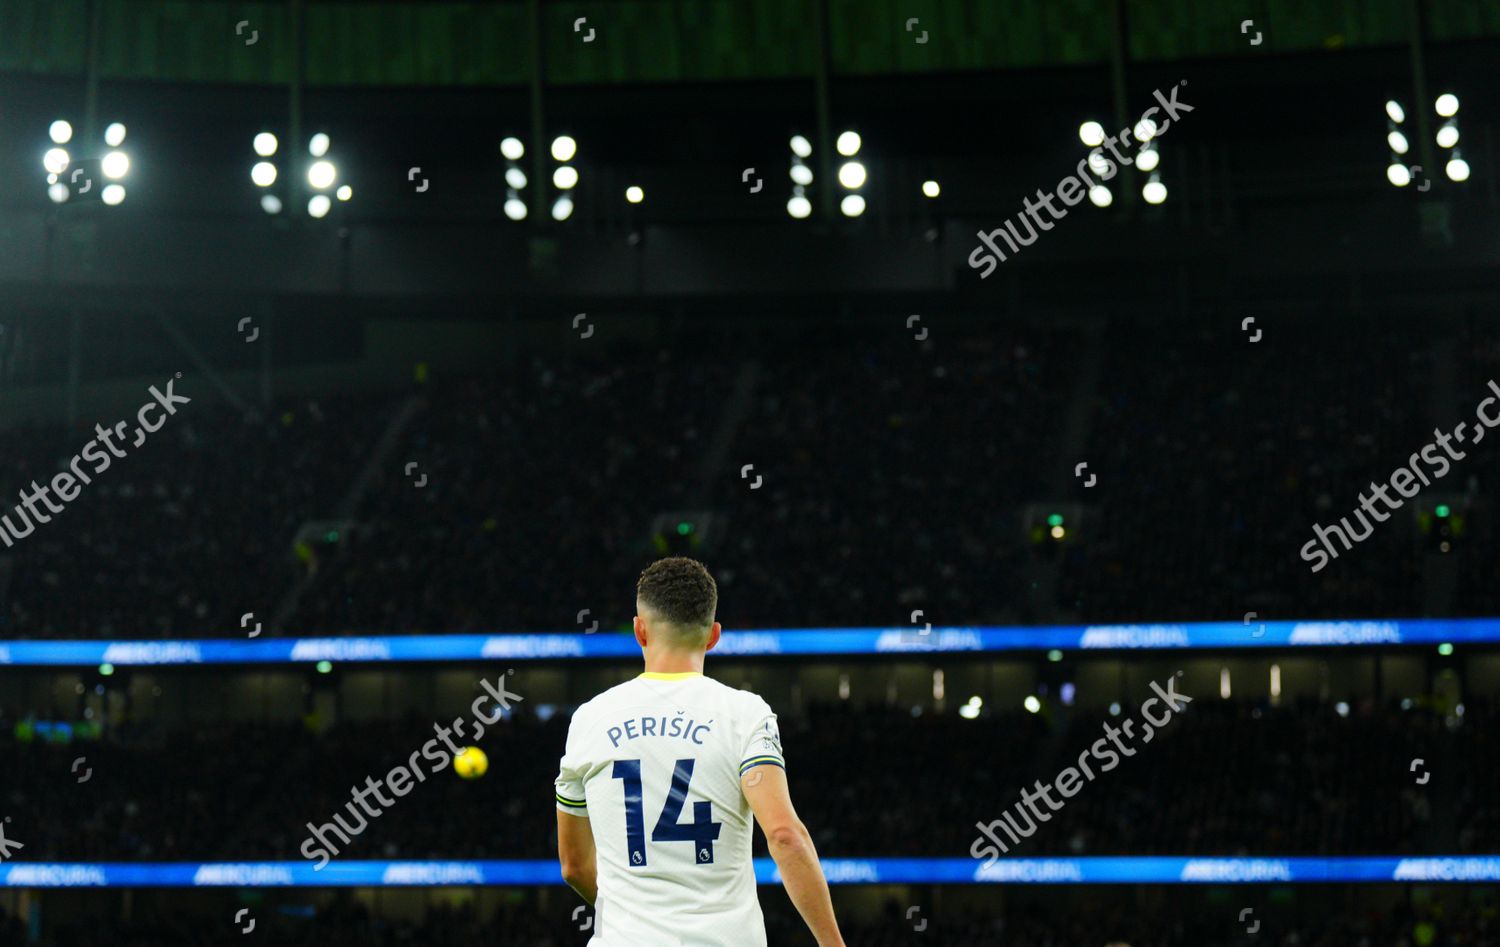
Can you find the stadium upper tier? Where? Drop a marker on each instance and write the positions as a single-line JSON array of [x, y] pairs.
[[829, 481]]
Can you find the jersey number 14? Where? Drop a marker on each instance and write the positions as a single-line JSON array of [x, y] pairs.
[[701, 831]]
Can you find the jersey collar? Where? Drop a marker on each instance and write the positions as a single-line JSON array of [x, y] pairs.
[[665, 676]]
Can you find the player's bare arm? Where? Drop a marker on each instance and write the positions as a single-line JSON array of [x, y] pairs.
[[575, 851], [791, 847]]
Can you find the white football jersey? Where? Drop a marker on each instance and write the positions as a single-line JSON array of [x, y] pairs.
[[655, 765]]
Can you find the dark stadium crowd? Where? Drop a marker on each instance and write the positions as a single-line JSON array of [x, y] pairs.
[[1110, 921], [829, 479], [189, 530], [1216, 458], [1229, 779]]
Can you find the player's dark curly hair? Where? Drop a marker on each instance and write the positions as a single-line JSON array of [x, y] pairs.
[[680, 590]]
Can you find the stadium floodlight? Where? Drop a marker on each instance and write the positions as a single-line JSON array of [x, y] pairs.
[[1145, 130], [969, 711], [319, 205], [512, 149], [1099, 164], [1091, 134], [799, 207], [562, 208], [1101, 196], [317, 146], [56, 160], [270, 203], [1032, 704], [1398, 174], [1446, 105], [1457, 168], [114, 135], [852, 205], [113, 194], [321, 175], [1395, 111], [565, 177], [848, 143], [1154, 192], [1397, 141], [115, 165], [930, 188], [801, 147], [515, 208], [515, 178], [266, 144], [852, 175], [1447, 136], [563, 148], [60, 131], [58, 191], [344, 193], [1224, 684], [801, 174], [263, 174], [1148, 159], [634, 194]]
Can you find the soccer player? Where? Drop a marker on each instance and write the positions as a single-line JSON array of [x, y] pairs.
[[657, 784]]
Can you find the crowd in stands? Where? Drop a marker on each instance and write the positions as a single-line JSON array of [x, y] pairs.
[[1228, 779], [541, 482], [889, 474], [188, 531], [1326, 920], [1217, 456]]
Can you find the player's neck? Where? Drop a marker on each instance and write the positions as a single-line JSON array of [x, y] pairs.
[[673, 662]]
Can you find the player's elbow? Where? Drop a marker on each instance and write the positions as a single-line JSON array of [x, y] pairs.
[[789, 838], [573, 870]]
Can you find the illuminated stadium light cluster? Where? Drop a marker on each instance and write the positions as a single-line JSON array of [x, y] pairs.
[[515, 179], [322, 175], [564, 176], [1447, 137], [1147, 161], [1091, 133], [1446, 106], [115, 165], [852, 174], [1397, 171], [798, 206]]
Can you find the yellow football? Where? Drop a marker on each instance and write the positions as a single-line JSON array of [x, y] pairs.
[[471, 763]]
